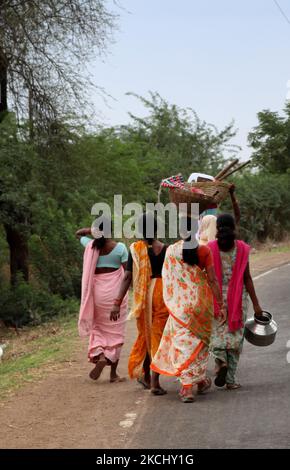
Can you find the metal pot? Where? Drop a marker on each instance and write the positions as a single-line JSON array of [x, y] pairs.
[[261, 329]]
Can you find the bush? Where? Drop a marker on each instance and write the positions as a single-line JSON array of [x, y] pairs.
[[26, 303], [264, 200]]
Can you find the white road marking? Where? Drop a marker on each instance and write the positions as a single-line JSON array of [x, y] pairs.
[[264, 274], [129, 421], [270, 271], [131, 417]]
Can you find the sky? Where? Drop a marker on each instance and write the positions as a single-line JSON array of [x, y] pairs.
[[226, 59]]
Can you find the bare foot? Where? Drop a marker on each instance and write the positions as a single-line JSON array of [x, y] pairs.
[[142, 381], [96, 372], [117, 379], [158, 390], [204, 386], [233, 386]]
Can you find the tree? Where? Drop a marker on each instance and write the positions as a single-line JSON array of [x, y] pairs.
[[44, 48], [173, 140], [271, 141], [264, 200], [17, 159]]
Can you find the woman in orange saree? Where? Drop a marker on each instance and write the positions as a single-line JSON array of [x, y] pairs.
[[189, 285], [144, 266]]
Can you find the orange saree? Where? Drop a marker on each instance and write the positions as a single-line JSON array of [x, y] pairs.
[[148, 308]]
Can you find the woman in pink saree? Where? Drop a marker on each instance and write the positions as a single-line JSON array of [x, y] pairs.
[[103, 271]]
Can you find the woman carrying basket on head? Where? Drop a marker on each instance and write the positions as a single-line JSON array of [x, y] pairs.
[[189, 285]]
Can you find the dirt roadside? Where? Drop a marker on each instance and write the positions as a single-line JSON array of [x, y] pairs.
[[68, 410], [261, 262]]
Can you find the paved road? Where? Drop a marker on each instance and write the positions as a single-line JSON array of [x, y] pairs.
[[256, 416], [68, 410]]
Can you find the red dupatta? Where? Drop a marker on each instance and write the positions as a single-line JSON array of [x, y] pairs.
[[235, 287]]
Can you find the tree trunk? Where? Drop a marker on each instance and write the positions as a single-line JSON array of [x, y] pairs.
[[17, 242], [30, 116], [18, 254], [3, 84]]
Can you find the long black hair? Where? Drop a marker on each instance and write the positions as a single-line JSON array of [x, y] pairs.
[[99, 243], [190, 255], [147, 227], [226, 231]]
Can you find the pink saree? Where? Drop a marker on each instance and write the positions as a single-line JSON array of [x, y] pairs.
[[98, 294]]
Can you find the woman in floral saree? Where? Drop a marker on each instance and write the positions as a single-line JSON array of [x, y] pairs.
[[189, 283]]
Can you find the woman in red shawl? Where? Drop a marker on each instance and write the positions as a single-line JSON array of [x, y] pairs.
[[231, 263]]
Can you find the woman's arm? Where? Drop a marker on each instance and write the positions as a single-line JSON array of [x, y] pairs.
[[82, 232], [248, 281], [235, 204], [124, 258], [126, 282], [214, 285]]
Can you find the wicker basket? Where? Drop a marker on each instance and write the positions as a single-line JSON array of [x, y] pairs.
[[218, 190], [214, 193]]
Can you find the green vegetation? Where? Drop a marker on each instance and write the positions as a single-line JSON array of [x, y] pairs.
[[47, 192], [35, 352], [53, 169]]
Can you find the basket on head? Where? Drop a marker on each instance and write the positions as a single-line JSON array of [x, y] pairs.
[[213, 192], [218, 190]]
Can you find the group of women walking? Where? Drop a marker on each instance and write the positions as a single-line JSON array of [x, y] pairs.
[[189, 300]]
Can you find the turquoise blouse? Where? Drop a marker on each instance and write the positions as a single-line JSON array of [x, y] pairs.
[[114, 259]]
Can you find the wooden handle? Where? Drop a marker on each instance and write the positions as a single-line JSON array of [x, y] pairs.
[[234, 170], [226, 169]]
